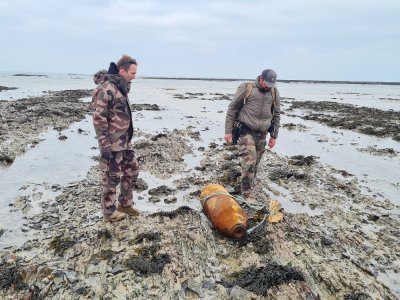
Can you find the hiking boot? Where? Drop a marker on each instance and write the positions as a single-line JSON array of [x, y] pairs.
[[115, 216], [249, 197], [129, 211]]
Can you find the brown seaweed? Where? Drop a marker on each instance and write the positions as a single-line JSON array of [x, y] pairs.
[[260, 280]]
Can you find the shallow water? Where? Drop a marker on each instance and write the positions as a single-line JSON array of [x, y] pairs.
[[50, 163], [28, 86], [60, 162], [379, 175]]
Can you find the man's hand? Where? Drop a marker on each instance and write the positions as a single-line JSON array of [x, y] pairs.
[[228, 138], [105, 153], [271, 143]]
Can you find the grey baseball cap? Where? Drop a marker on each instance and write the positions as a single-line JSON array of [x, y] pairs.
[[269, 77]]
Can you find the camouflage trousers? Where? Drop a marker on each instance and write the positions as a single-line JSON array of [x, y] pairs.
[[252, 147], [122, 168]]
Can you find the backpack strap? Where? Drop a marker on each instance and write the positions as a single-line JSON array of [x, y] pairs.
[[273, 94], [249, 89]]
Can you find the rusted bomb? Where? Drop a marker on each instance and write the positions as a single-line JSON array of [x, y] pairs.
[[224, 212]]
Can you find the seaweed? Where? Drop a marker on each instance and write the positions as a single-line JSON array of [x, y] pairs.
[[147, 261], [231, 176], [33, 293], [59, 244], [183, 210], [286, 174], [104, 233], [259, 280], [158, 136], [148, 236], [357, 296], [148, 251], [258, 238], [147, 266], [103, 255], [11, 277], [301, 160], [6, 158]]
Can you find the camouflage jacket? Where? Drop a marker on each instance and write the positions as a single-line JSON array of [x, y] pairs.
[[112, 116]]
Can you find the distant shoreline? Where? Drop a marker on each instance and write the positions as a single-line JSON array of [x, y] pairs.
[[242, 79], [281, 80]]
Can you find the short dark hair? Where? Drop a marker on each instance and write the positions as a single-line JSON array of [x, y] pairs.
[[125, 62]]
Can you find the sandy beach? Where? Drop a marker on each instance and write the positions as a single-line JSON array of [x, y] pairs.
[[335, 241]]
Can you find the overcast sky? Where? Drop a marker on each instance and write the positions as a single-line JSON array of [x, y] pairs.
[[299, 39]]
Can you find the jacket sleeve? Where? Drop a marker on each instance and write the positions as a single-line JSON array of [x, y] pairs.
[[234, 108], [276, 119], [100, 113]]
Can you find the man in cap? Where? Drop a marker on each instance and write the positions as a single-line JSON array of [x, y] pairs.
[[112, 120], [254, 112]]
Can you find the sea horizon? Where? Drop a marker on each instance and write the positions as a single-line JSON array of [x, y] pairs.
[[374, 82]]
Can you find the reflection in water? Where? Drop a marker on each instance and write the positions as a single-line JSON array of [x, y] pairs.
[[36, 174]]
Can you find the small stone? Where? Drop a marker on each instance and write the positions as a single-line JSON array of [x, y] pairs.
[[92, 270], [238, 293], [209, 285], [373, 218], [177, 286], [170, 199], [118, 269], [141, 184], [195, 285], [58, 278], [153, 292], [71, 276], [327, 241], [192, 236], [153, 199]]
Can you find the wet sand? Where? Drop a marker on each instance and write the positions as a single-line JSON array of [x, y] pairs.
[[346, 248]]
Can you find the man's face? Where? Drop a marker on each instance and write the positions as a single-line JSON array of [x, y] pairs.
[[263, 84], [130, 74]]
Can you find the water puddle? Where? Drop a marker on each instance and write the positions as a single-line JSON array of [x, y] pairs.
[[36, 175], [377, 175], [289, 205]]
